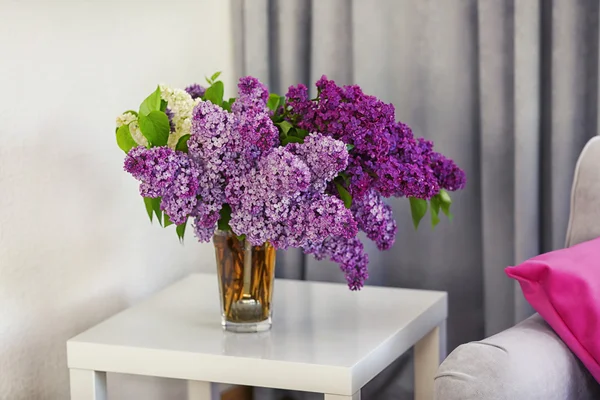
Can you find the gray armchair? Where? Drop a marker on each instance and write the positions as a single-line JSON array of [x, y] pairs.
[[529, 361]]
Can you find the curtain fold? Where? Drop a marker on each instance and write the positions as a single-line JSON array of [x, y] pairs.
[[507, 88]]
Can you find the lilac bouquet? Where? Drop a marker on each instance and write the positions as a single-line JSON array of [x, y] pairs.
[[288, 170]]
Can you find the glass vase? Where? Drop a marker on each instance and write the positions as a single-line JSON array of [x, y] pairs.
[[246, 274]]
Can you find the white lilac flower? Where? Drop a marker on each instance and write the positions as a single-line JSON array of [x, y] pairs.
[[129, 118], [125, 119], [181, 105], [137, 135]]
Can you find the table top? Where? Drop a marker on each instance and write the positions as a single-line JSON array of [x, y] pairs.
[[325, 338]]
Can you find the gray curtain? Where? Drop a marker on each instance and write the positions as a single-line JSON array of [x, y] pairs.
[[508, 88]]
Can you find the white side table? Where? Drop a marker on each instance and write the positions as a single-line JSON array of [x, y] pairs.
[[324, 339]]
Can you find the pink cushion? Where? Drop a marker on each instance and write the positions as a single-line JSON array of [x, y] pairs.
[[564, 287]]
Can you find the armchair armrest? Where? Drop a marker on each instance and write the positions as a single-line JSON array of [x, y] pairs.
[[526, 362]]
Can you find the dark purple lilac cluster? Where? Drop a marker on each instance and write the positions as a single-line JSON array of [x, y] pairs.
[[171, 116], [449, 176], [385, 157], [195, 91]]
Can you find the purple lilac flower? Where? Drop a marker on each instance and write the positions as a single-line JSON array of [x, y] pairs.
[[203, 234], [165, 173], [348, 252], [177, 208], [276, 203], [215, 146], [325, 156], [448, 174], [252, 92], [283, 172], [180, 199], [375, 218], [255, 126], [195, 90], [327, 216], [297, 96], [170, 115], [154, 167], [313, 217], [228, 146], [401, 130]]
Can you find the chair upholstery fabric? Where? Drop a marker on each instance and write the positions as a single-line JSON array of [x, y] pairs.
[[525, 362], [529, 361], [584, 222]]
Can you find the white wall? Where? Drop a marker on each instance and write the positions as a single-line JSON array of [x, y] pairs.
[[75, 242]]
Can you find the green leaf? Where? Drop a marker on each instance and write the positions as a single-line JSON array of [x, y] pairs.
[[182, 143], [344, 195], [291, 139], [167, 221], [215, 76], [215, 93], [181, 231], [446, 210], [153, 206], [349, 147], [226, 106], [155, 127], [281, 101], [434, 208], [124, 139], [152, 103], [163, 105], [418, 209], [223, 222], [301, 133], [156, 208], [445, 197], [149, 207], [285, 126], [273, 101], [445, 202], [344, 176]]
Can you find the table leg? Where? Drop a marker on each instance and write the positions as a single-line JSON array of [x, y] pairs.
[[427, 360], [198, 390], [87, 385], [355, 396]]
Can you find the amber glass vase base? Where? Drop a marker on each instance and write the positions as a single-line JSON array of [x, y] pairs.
[[246, 327]]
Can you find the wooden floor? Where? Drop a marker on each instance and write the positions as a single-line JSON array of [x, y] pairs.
[[238, 393]]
